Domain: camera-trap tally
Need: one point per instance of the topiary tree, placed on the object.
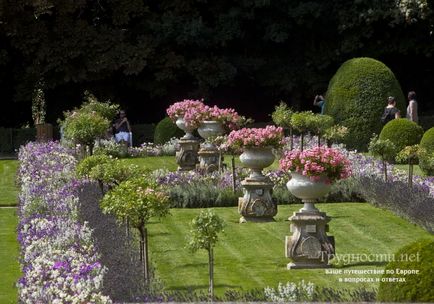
(86, 165)
(382, 148)
(165, 130)
(136, 201)
(320, 124)
(282, 117)
(335, 134)
(356, 98)
(105, 109)
(303, 122)
(402, 133)
(410, 155)
(425, 159)
(204, 235)
(84, 128)
(418, 287)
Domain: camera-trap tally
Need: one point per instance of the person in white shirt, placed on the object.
(412, 107)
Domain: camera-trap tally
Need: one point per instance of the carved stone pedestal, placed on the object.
(208, 158)
(257, 205)
(309, 246)
(187, 156)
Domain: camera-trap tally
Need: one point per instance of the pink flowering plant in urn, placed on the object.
(312, 173)
(229, 118)
(187, 115)
(318, 164)
(257, 145)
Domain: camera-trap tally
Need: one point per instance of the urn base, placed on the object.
(187, 156)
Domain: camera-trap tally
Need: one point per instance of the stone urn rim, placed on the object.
(180, 123)
(209, 128)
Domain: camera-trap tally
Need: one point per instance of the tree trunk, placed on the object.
(211, 273)
(319, 141)
(301, 141)
(144, 253)
(220, 161)
(291, 139)
(101, 187)
(233, 174)
(385, 169)
(91, 150)
(410, 174)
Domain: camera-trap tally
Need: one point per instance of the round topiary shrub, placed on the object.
(418, 287)
(402, 132)
(165, 130)
(427, 144)
(357, 95)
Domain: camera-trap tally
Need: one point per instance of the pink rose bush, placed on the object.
(317, 163)
(191, 110)
(270, 136)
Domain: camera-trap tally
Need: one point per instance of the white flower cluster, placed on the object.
(59, 261)
(291, 292)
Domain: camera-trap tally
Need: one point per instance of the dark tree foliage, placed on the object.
(149, 53)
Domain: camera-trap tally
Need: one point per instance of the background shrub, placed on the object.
(417, 287)
(357, 95)
(402, 132)
(165, 130)
(142, 133)
(427, 143)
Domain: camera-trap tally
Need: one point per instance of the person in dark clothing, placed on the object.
(122, 128)
(390, 112)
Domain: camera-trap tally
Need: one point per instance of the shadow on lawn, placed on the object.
(382, 263)
(193, 288)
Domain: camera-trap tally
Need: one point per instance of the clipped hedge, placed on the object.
(418, 287)
(356, 98)
(427, 143)
(11, 139)
(402, 132)
(165, 130)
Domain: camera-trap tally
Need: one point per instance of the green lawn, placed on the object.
(9, 267)
(252, 255)
(8, 189)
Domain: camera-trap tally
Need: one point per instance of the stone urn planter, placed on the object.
(307, 190)
(309, 246)
(209, 154)
(180, 123)
(257, 159)
(257, 204)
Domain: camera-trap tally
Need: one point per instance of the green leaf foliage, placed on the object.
(84, 128)
(426, 161)
(165, 130)
(86, 165)
(303, 121)
(115, 172)
(104, 109)
(204, 230)
(356, 97)
(402, 132)
(321, 123)
(381, 147)
(136, 200)
(417, 287)
(282, 115)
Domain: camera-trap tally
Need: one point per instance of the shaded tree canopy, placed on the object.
(146, 54)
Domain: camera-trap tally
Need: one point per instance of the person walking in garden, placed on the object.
(412, 107)
(319, 101)
(122, 129)
(390, 112)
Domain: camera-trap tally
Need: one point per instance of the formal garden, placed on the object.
(308, 207)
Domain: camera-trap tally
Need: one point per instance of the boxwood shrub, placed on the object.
(418, 287)
(427, 143)
(165, 130)
(356, 98)
(402, 132)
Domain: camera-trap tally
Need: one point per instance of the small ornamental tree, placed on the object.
(136, 201)
(105, 109)
(320, 124)
(86, 165)
(38, 103)
(410, 155)
(204, 235)
(282, 117)
(303, 122)
(382, 148)
(335, 134)
(85, 127)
